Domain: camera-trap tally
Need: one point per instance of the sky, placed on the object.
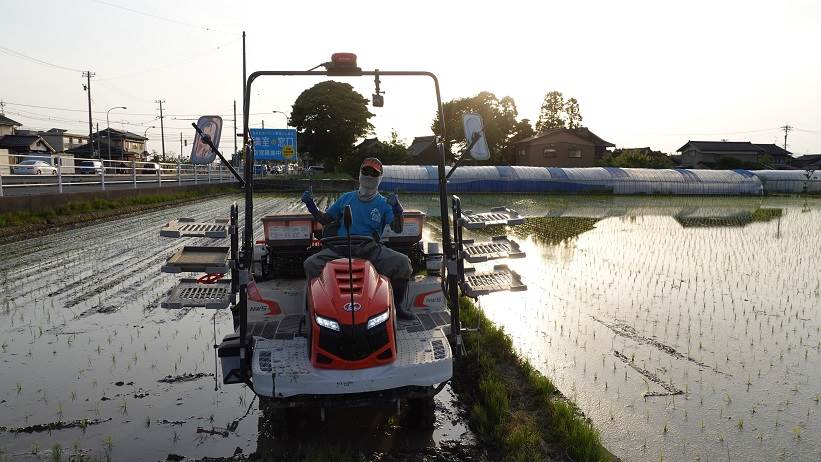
(645, 73)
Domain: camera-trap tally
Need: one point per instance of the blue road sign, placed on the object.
(274, 143)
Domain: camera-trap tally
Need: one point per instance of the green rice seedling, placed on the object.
(56, 453)
(796, 431)
(740, 424)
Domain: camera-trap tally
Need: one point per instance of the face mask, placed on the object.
(368, 186)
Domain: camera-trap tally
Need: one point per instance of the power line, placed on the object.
(24, 56)
(162, 18)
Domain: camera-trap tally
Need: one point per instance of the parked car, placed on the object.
(88, 167)
(279, 169)
(260, 169)
(34, 167)
(117, 167)
(150, 168)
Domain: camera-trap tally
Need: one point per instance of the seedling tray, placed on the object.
(195, 259)
(498, 247)
(189, 227)
(191, 294)
(500, 279)
(496, 216)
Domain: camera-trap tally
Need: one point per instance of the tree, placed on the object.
(571, 111)
(551, 114)
(329, 118)
(498, 116)
(636, 158)
(394, 152)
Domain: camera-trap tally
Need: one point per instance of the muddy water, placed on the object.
(85, 343)
(686, 328)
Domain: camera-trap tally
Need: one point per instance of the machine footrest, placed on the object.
(496, 216)
(191, 294)
(498, 247)
(188, 227)
(198, 260)
(500, 279)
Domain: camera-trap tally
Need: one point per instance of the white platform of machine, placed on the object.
(496, 216)
(189, 227)
(281, 367)
(498, 247)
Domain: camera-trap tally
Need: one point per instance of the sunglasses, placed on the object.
(370, 171)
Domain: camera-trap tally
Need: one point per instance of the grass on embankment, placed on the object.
(516, 410)
(24, 224)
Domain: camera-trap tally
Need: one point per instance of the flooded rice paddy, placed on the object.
(92, 366)
(685, 328)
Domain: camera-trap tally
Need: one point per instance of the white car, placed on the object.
(34, 167)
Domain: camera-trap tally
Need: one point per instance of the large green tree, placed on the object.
(498, 116)
(329, 118)
(551, 114)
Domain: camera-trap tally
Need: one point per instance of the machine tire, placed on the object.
(421, 413)
(54, 173)
(37, 172)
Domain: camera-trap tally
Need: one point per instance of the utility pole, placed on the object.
(162, 129)
(786, 129)
(235, 157)
(87, 87)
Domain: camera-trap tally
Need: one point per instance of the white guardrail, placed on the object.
(55, 173)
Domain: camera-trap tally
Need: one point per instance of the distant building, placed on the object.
(18, 148)
(124, 145)
(561, 147)
(733, 154)
(424, 151)
(807, 162)
(63, 140)
(7, 127)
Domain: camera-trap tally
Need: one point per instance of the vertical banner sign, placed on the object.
(201, 153)
(274, 143)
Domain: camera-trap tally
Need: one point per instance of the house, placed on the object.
(122, 145)
(733, 154)
(7, 127)
(561, 147)
(808, 162)
(423, 151)
(23, 147)
(62, 140)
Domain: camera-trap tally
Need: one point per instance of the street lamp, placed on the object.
(284, 114)
(145, 135)
(108, 128)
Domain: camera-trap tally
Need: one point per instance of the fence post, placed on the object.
(159, 174)
(195, 173)
(134, 172)
(179, 178)
(220, 168)
(209, 173)
(102, 174)
(60, 175)
(1, 182)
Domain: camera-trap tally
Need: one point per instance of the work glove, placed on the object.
(393, 201)
(309, 202)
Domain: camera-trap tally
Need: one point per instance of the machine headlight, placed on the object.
(327, 323)
(377, 320)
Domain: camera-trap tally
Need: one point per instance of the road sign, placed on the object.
(274, 143)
